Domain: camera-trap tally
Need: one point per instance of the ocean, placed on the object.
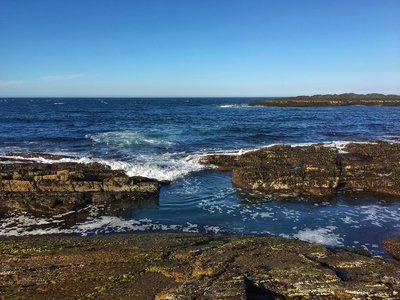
(164, 138)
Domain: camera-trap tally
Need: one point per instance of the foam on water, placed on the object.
(234, 105)
(324, 236)
(168, 166)
(170, 169)
(23, 223)
(164, 166)
(127, 138)
(163, 139)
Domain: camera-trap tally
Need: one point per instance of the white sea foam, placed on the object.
(324, 236)
(126, 138)
(378, 215)
(165, 166)
(234, 105)
(338, 145)
(168, 170)
(19, 224)
(168, 166)
(348, 220)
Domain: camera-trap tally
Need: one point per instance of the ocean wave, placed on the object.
(169, 165)
(127, 138)
(234, 105)
(170, 169)
(338, 145)
(161, 167)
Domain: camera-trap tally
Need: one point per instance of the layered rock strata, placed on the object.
(61, 187)
(316, 169)
(191, 266)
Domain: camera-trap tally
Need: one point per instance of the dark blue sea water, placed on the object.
(164, 138)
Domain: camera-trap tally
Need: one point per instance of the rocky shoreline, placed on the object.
(316, 170)
(190, 266)
(333, 100)
(196, 266)
(66, 186)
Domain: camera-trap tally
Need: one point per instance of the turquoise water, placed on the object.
(164, 138)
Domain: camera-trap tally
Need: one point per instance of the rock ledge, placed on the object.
(316, 169)
(61, 187)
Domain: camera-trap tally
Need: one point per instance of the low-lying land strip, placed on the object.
(333, 100)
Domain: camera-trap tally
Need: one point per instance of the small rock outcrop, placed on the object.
(61, 187)
(392, 246)
(348, 99)
(316, 169)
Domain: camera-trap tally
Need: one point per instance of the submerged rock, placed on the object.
(61, 187)
(316, 169)
(190, 266)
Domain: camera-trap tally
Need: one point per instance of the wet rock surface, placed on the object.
(316, 169)
(333, 100)
(65, 186)
(190, 266)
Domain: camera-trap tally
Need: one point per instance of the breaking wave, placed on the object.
(160, 167)
(234, 105)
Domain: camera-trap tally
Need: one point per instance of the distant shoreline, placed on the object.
(333, 100)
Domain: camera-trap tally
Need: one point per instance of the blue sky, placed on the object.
(198, 48)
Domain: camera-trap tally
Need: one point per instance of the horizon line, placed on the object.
(280, 96)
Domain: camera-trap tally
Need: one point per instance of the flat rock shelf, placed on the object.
(190, 266)
(316, 170)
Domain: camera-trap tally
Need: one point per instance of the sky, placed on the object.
(189, 48)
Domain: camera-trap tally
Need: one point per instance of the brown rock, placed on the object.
(392, 246)
(316, 169)
(60, 187)
(190, 266)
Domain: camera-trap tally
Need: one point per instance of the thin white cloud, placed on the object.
(62, 77)
(10, 82)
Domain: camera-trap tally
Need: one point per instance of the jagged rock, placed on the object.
(61, 187)
(190, 266)
(316, 169)
(392, 246)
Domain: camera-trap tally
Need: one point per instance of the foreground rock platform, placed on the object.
(190, 266)
(316, 169)
(349, 99)
(65, 186)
